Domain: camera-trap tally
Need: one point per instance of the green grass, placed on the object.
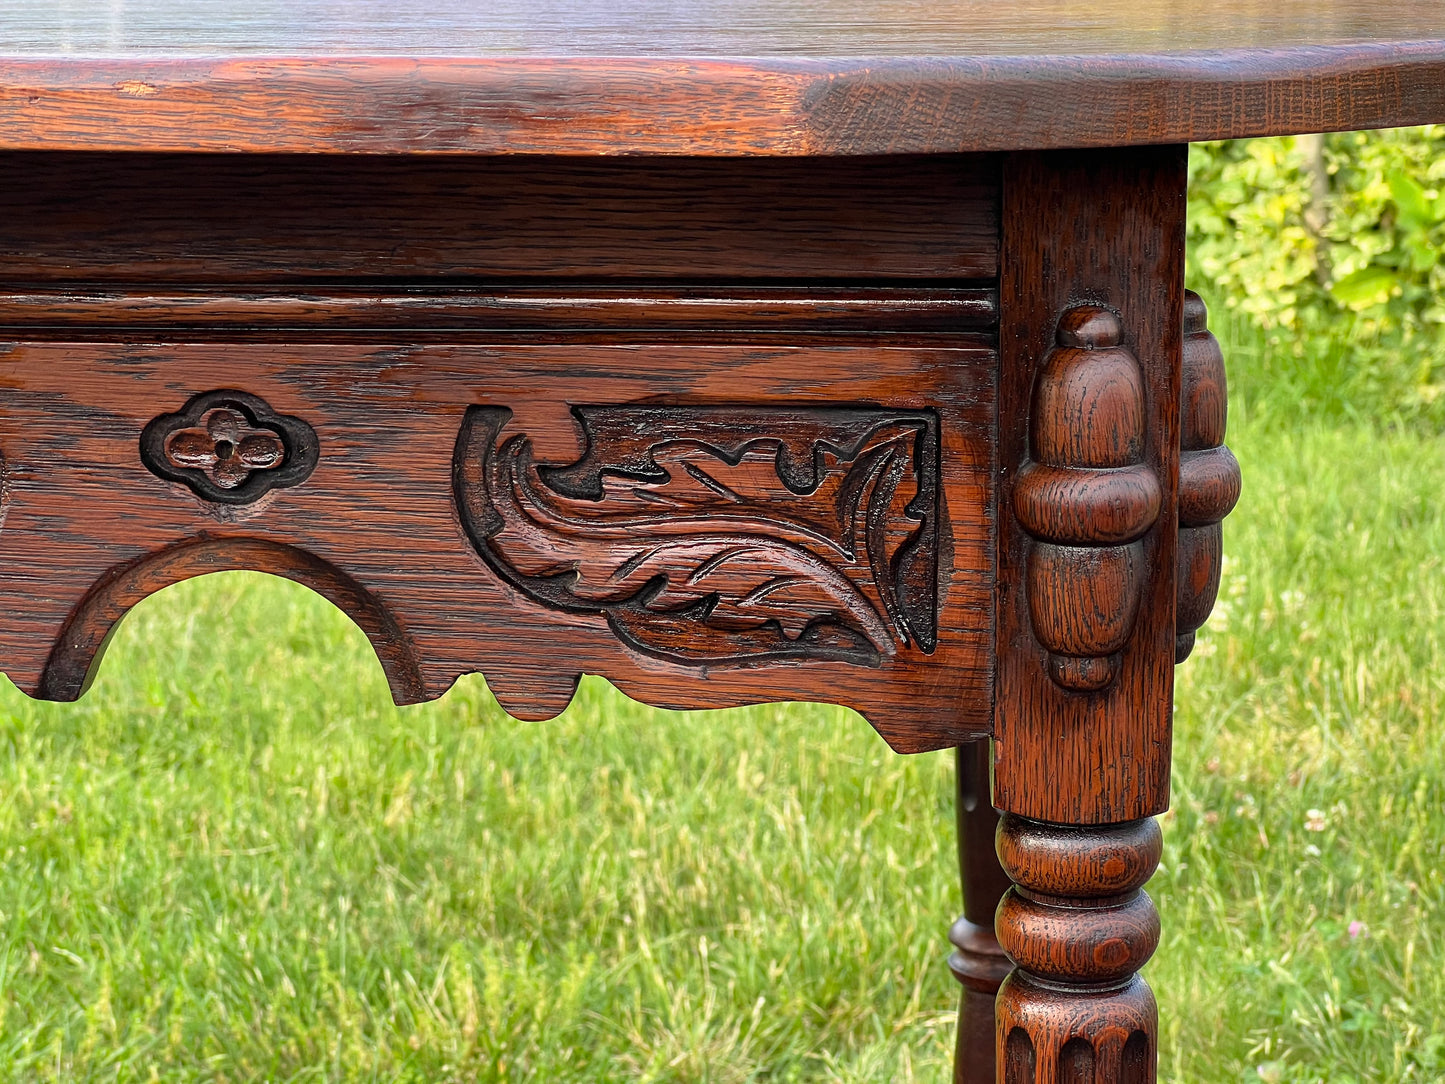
(236, 861)
(1309, 775)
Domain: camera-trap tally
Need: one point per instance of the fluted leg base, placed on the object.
(1079, 926)
(1049, 1035)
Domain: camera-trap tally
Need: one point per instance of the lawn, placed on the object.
(235, 860)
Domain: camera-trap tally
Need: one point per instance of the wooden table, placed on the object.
(736, 351)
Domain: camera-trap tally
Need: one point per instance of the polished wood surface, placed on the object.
(1091, 337)
(1091, 328)
(730, 423)
(1079, 926)
(755, 528)
(726, 78)
(735, 28)
(1209, 476)
(265, 218)
(922, 314)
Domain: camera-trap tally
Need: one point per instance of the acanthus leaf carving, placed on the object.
(719, 536)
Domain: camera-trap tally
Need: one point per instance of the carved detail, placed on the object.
(1087, 498)
(712, 536)
(230, 447)
(1078, 926)
(1209, 476)
(77, 651)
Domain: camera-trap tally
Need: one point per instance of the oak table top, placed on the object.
(727, 77)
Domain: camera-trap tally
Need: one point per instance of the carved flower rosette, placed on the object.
(230, 448)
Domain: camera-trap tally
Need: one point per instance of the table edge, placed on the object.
(710, 106)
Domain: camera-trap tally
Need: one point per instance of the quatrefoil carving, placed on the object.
(230, 447)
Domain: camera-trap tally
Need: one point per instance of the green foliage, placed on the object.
(236, 861)
(1333, 247)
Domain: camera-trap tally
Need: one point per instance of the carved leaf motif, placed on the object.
(792, 535)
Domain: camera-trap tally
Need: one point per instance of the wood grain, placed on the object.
(1078, 926)
(1086, 497)
(812, 311)
(190, 219)
(719, 536)
(950, 99)
(1093, 242)
(1209, 476)
(89, 529)
(229, 447)
(1102, 229)
(551, 28)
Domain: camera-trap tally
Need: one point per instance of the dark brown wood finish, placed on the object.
(829, 77)
(705, 525)
(1086, 498)
(224, 219)
(1079, 928)
(738, 351)
(1209, 479)
(1093, 244)
(1090, 338)
(779, 310)
(786, 106)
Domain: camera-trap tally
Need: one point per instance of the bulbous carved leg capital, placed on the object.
(1087, 498)
(1078, 926)
(1209, 479)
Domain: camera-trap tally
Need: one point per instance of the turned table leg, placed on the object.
(1079, 927)
(1091, 346)
(977, 961)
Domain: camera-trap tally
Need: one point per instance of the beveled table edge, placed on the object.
(709, 106)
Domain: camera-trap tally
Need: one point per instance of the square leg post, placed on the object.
(1091, 326)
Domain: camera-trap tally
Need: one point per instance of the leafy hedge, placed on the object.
(1328, 252)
